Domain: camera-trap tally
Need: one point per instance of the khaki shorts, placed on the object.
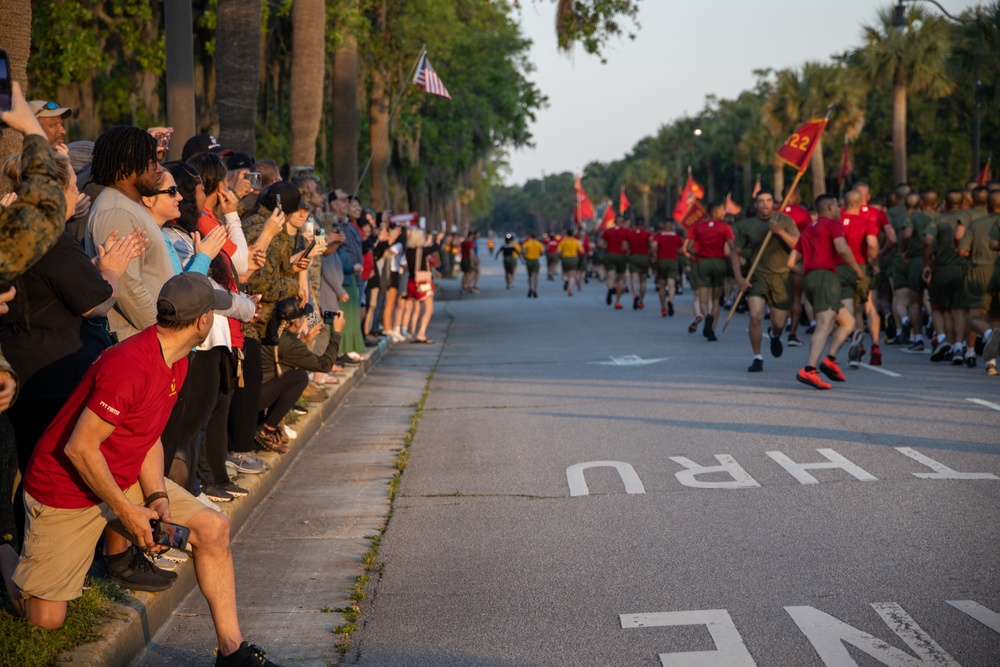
(822, 288)
(850, 288)
(59, 543)
(774, 288)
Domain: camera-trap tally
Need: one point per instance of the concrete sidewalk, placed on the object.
(299, 536)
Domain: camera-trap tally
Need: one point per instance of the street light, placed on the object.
(899, 18)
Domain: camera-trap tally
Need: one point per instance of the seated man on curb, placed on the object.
(102, 457)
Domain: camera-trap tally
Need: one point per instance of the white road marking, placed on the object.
(833, 460)
(578, 483)
(741, 479)
(941, 471)
(985, 404)
(880, 370)
(987, 617)
(629, 360)
(730, 651)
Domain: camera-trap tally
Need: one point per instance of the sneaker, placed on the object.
(208, 502)
(300, 409)
(776, 347)
(231, 470)
(756, 367)
(235, 490)
(876, 358)
(663, 312)
(618, 306)
(642, 304)
(565, 285)
(793, 341)
(941, 353)
(611, 294)
(811, 329)
(957, 358)
(569, 292)
(916, 346)
(670, 308)
(831, 369)
(314, 394)
(890, 328)
(856, 349)
(217, 494)
(529, 294)
(992, 345)
(970, 360)
(243, 463)
(812, 379)
(535, 294)
(709, 326)
(175, 555)
(269, 440)
(711, 337)
(907, 328)
(991, 368)
(164, 564)
(635, 303)
(694, 323)
(289, 433)
(247, 655)
(132, 569)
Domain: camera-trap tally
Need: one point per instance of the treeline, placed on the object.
(937, 62)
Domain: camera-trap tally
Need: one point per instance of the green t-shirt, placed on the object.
(942, 230)
(750, 233)
(977, 240)
(918, 220)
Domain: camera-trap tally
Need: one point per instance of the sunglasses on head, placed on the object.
(170, 192)
(48, 106)
(303, 206)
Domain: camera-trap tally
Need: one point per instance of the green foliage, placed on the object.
(593, 23)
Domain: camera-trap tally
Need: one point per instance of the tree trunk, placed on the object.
(817, 169)
(899, 132)
(747, 184)
(381, 147)
(237, 72)
(15, 26)
(645, 203)
(779, 179)
(344, 146)
(308, 56)
(179, 33)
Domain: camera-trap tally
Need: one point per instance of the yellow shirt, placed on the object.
(532, 249)
(569, 247)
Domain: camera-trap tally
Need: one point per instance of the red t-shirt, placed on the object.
(614, 239)
(816, 245)
(800, 215)
(551, 245)
(857, 229)
(667, 244)
(876, 216)
(129, 386)
(710, 238)
(638, 243)
(586, 244)
(468, 248)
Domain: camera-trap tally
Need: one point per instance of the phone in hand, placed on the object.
(164, 142)
(169, 534)
(309, 248)
(255, 179)
(277, 199)
(330, 315)
(6, 88)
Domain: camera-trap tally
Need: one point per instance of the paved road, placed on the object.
(701, 536)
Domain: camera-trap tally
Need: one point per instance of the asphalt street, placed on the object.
(599, 487)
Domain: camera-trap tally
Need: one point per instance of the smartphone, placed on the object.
(165, 141)
(6, 90)
(254, 178)
(309, 248)
(330, 315)
(169, 534)
(277, 199)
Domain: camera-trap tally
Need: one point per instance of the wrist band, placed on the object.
(156, 495)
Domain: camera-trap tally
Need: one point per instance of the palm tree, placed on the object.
(15, 26)
(237, 72)
(344, 92)
(644, 176)
(976, 56)
(800, 95)
(308, 62)
(912, 60)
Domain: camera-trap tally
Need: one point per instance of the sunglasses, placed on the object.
(170, 192)
(48, 106)
(303, 206)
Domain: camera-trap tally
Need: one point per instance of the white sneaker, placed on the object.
(164, 563)
(991, 368)
(208, 502)
(355, 356)
(289, 432)
(175, 555)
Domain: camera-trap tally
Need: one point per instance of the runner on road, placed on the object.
(571, 251)
(510, 251)
(638, 260)
(710, 242)
(665, 244)
(532, 251)
(794, 210)
(614, 240)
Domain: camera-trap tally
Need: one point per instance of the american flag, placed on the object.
(428, 79)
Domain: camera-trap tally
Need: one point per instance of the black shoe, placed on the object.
(247, 655)
(635, 303)
(371, 342)
(536, 294)
(670, 309)
(132, 569)
(970, 362)
(565, 285)
(811, 329)
(890, 327)
(711, 337)
(708, 329)
(776, 346)
(611, 295)
(680, 288)
(756, 367)
(530, 294)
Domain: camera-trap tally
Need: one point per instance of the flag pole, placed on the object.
(388, 121)
(760, 253)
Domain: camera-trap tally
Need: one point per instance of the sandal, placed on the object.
(269, 440)
(422, 340)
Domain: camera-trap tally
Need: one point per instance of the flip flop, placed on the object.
(422, 340)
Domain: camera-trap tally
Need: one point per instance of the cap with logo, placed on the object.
(239, 161)
(187, 296)
(203, 143)
(45, 109)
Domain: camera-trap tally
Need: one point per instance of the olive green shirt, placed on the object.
(750, 234)
(942, 229)
(918, 220)
(976, 241)
(274, 281)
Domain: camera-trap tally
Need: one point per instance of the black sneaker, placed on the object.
(941, 353)
(247, 655)
(756, 367)
(235, 490)
(711, 337)
(670, 309)
(890, 328)
(132, 569)
(811, 329)
(217, 494)
(611, 295)
(709, 327)
(635, 303)
(970, 361)
(776, 347)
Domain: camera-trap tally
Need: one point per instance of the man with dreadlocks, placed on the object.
(125, 163)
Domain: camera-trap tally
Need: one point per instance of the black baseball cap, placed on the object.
(189, 295)
(239, 161)
(203, 143)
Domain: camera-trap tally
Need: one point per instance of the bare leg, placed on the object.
(845, 326)
(213, 566)
(48, 614)
(755, 304)
(426, 319)
(824, 327)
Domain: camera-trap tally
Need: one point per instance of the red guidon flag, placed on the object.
(986, 175)
(689, 197)
(428, 79)
(799, 147)
(584, 210)
(845, 166)
(732, 208)
(609, 217)
(623, 202)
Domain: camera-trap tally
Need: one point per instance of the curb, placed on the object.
(132, 625)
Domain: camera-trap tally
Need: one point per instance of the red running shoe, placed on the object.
(832, 370)
(642, 305)
(618, 305)
(876, 359)
(663, 312)
(812, 379)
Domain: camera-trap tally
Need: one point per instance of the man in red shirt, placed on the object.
(798, 213)
(551, 242)
(102, 458)
(468, 262)
(880, 288)
(861, 235)
(709, 243)
(819, 245)
(666, 244)
(638, 260)
(614, 240)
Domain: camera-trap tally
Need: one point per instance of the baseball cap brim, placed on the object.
(59, 112)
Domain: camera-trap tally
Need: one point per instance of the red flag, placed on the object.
(845, 166)
(623, 202)
(756, 188)
(986, 175)
(731, 207)
(799, 147)
(695, 214)
(609, 217)
(584, 210)
(691, 194)
(428, 79)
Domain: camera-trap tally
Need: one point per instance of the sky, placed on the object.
(683, 51)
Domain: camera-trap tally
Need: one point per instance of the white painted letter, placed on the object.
(578, 484)
(798, 470)
(730, 651)
(987, 617)
(741, 478)
(941, 471)
(828, 636)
